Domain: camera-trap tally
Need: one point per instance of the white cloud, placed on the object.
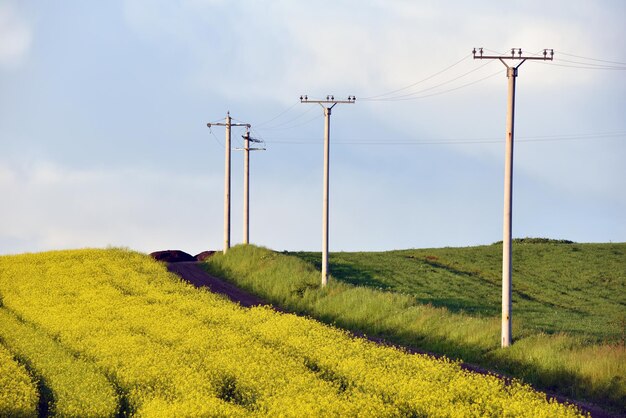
(53, 207)
(357, 49)
(15, 36)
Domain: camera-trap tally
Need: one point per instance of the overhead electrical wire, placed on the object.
(449, 90)
(289, 123)
(392, 96)
(278, 115)
(581, 65)
(213, 134)
(464, 141)
(590, 59)
(417, 82)
(418, 94)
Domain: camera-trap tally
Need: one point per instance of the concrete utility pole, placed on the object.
(327, 105)
(228, 124)
(246, 182)
(507, 268)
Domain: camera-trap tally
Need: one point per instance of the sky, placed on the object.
(104, 108)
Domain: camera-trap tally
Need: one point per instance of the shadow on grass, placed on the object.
(345, 272)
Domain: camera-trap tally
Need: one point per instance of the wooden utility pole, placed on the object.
(327, 105)
(228, 124)
(246, 182)
(507, 229)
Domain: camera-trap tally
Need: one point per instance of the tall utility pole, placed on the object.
(246, 181)
(327, 105)
(228, 124)
(507, 268)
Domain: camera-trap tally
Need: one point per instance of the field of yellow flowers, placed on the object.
(104, 333)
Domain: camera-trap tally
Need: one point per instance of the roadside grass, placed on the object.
(440, 300)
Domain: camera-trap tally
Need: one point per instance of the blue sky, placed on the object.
(104, 105)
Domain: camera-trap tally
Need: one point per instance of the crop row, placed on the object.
(169, 349)
(18, 393)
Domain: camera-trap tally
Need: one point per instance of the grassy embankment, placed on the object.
(107, 333)
(568, 305)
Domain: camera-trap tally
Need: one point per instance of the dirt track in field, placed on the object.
(194, 274)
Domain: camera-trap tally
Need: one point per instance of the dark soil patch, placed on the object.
(204, 255)
(172, 256)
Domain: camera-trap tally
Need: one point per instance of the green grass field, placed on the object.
(568, 305)
(579, 289)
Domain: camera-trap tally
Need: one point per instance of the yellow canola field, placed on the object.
(172, 350)
(79, 389)
(18, 394)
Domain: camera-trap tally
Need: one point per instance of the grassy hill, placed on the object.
(568, 305)
(579, 289)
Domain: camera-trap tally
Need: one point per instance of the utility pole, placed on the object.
(228, 124)
(246, 181)
(327, 105)
(507, 254)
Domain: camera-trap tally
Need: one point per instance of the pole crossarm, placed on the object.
(329, 100)
(548, 55)
(247, 125)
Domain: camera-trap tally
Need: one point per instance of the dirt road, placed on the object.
(194, 274)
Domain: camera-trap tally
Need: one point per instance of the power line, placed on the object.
(418, 82)
(448, 90)
(413, 95)
(278, 115)
(306, 122)
(593, 65)
(215, 137)
(282, 124)
(591, 59)
(583, 66)
(459, 141)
